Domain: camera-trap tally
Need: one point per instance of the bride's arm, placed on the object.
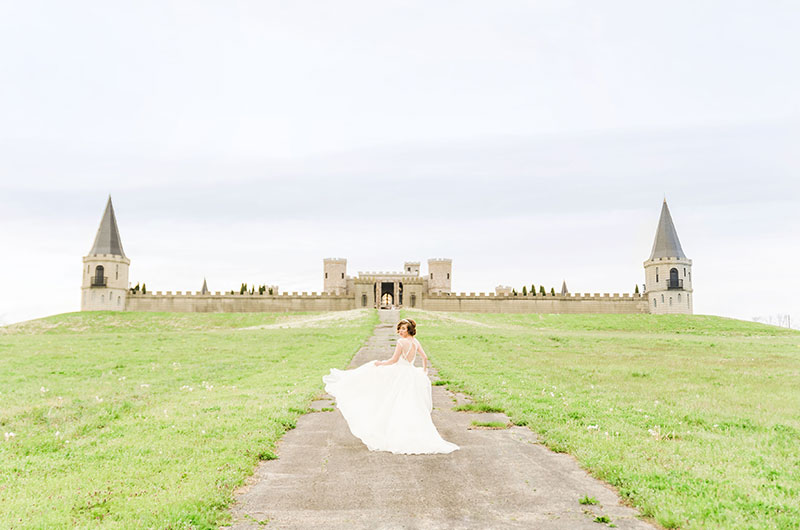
(394, 358)
(424, 357)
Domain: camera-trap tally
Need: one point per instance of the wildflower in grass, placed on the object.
(121, 378)
(9, 435)
(43, 390)
(144, 385)
(590, 427)
(58, 433)
(99, 399)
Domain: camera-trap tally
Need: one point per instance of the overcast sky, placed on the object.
(531, 142)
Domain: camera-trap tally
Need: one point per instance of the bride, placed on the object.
(387, 404)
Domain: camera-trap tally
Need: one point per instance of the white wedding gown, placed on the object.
(388, 407)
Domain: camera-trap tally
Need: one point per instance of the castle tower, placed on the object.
(439, 275)
(411, 267)
(668, 272)
(105, 268)
(335, 281)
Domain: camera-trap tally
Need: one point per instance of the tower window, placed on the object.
(119, 300)
(679, 297)
(431, 276)
(684, 272)
(413, 300)
(408, 269)
(116, 273)
(343, 276)
(662, 298)
(670, 300)
(364, 300)
(448, 275)
(326, 275)
(655, 302)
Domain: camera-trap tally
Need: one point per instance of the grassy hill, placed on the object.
(695, 419)
(150, 420)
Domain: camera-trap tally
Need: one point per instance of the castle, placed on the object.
(667, 288)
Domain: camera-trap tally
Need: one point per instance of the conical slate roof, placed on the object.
(204, 290)
(564, 288)
(666, 243)
(107, 240)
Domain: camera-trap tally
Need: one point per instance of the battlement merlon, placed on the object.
(682, 261)
(107, 257)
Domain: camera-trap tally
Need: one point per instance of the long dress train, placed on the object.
(388, 407)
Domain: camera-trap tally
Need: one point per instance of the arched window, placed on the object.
(119, 300)
(326, 275)
(670, 300)
(656, 274)
(99, 276)
(655, 302)
(662, 298)
(343, 276)
(364, 300)
(413, 300)
(679, 298)
(102, 298)
(116, 273)
(674, 282)
(448, 275)
(431, 276)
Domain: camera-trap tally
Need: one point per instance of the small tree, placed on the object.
(270, 290)
(533, 289)
(637, 289)
(514, 292)
(144, 288)
(524, 291)
(243, 288)
(541, 290)
(553, 291)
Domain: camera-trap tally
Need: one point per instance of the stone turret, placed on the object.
(411, 267)
(335, 280)
(105, 268)
(439, 275)
(668, 272)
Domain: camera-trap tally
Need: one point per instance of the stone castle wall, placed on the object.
(233, 303)
(466, 302)
(507, 303)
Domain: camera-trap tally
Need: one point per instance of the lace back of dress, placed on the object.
(405, 353)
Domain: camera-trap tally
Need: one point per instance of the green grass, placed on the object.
(150, 420)
(694, 419)
(490, 424)
(477, 407)
(588, 500)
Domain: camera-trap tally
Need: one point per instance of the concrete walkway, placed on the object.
(326, 478)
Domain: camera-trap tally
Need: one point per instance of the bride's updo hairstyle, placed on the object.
(411, 326)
